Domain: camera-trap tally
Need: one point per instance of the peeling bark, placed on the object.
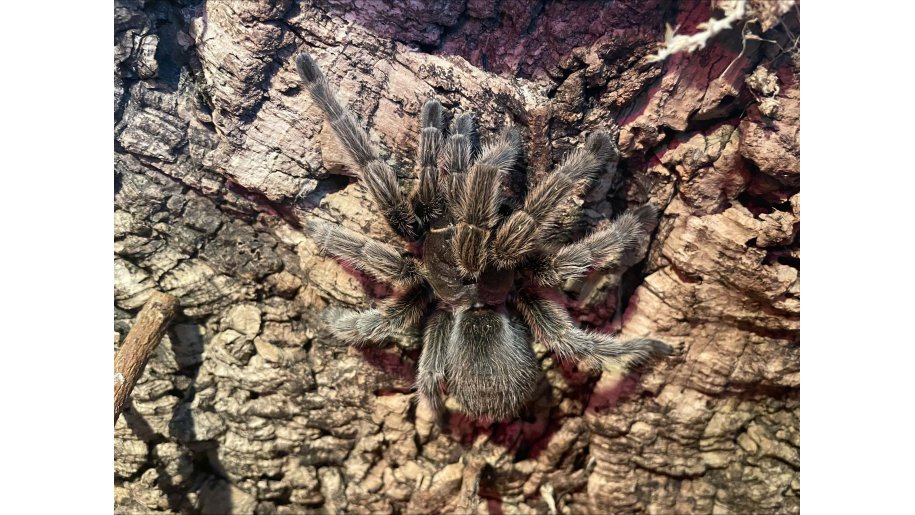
(245, 406)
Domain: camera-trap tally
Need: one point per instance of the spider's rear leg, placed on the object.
(553, 326)
(524, 229)
(621, 244)
(381, 260)
(434, 358)
(376, 175)
(374, 326)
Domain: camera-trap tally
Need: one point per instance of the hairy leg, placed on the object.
(380, 260)
(373, 326)
(476, 210)
(457, 154)
(502, 151)
(377, 176)
(524, 229)
(553, 326)
(434, 359)
(428, 199)
(619, 244)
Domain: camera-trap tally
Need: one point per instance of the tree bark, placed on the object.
(220, 157)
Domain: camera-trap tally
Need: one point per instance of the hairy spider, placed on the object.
(484, 276)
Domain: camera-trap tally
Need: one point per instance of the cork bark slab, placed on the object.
(220, 157)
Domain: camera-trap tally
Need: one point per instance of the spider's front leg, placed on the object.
(476, 207)
(553, 326)
(456, 156)
(525, 229)
(428, 199)
(377, 176)
(373, 326)
(621, 244)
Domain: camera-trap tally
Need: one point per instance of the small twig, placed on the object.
(469, 496)
(547, 493)
(139, 345)
(675, 43)
(743, 47)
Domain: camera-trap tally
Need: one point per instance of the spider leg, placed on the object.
(622, 244)
(374, 325)
(433, 360)
(492, 371)
(457, 154)
(524, 229)
(476, 213)
(502, 151)
(553, 326)
(476, 210)
(377, 176)
(569, 216)
(380, 260)
(428, 199)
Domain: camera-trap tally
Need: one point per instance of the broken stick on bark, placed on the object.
(139, 345)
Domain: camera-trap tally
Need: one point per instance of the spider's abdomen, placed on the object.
(492, 371)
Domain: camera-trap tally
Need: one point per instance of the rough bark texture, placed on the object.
(220, 157)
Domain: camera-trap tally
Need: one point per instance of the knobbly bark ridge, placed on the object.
(220, 157)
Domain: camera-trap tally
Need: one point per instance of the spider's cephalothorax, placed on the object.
(482, 279)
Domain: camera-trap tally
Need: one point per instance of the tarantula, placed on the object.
(483, 273)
